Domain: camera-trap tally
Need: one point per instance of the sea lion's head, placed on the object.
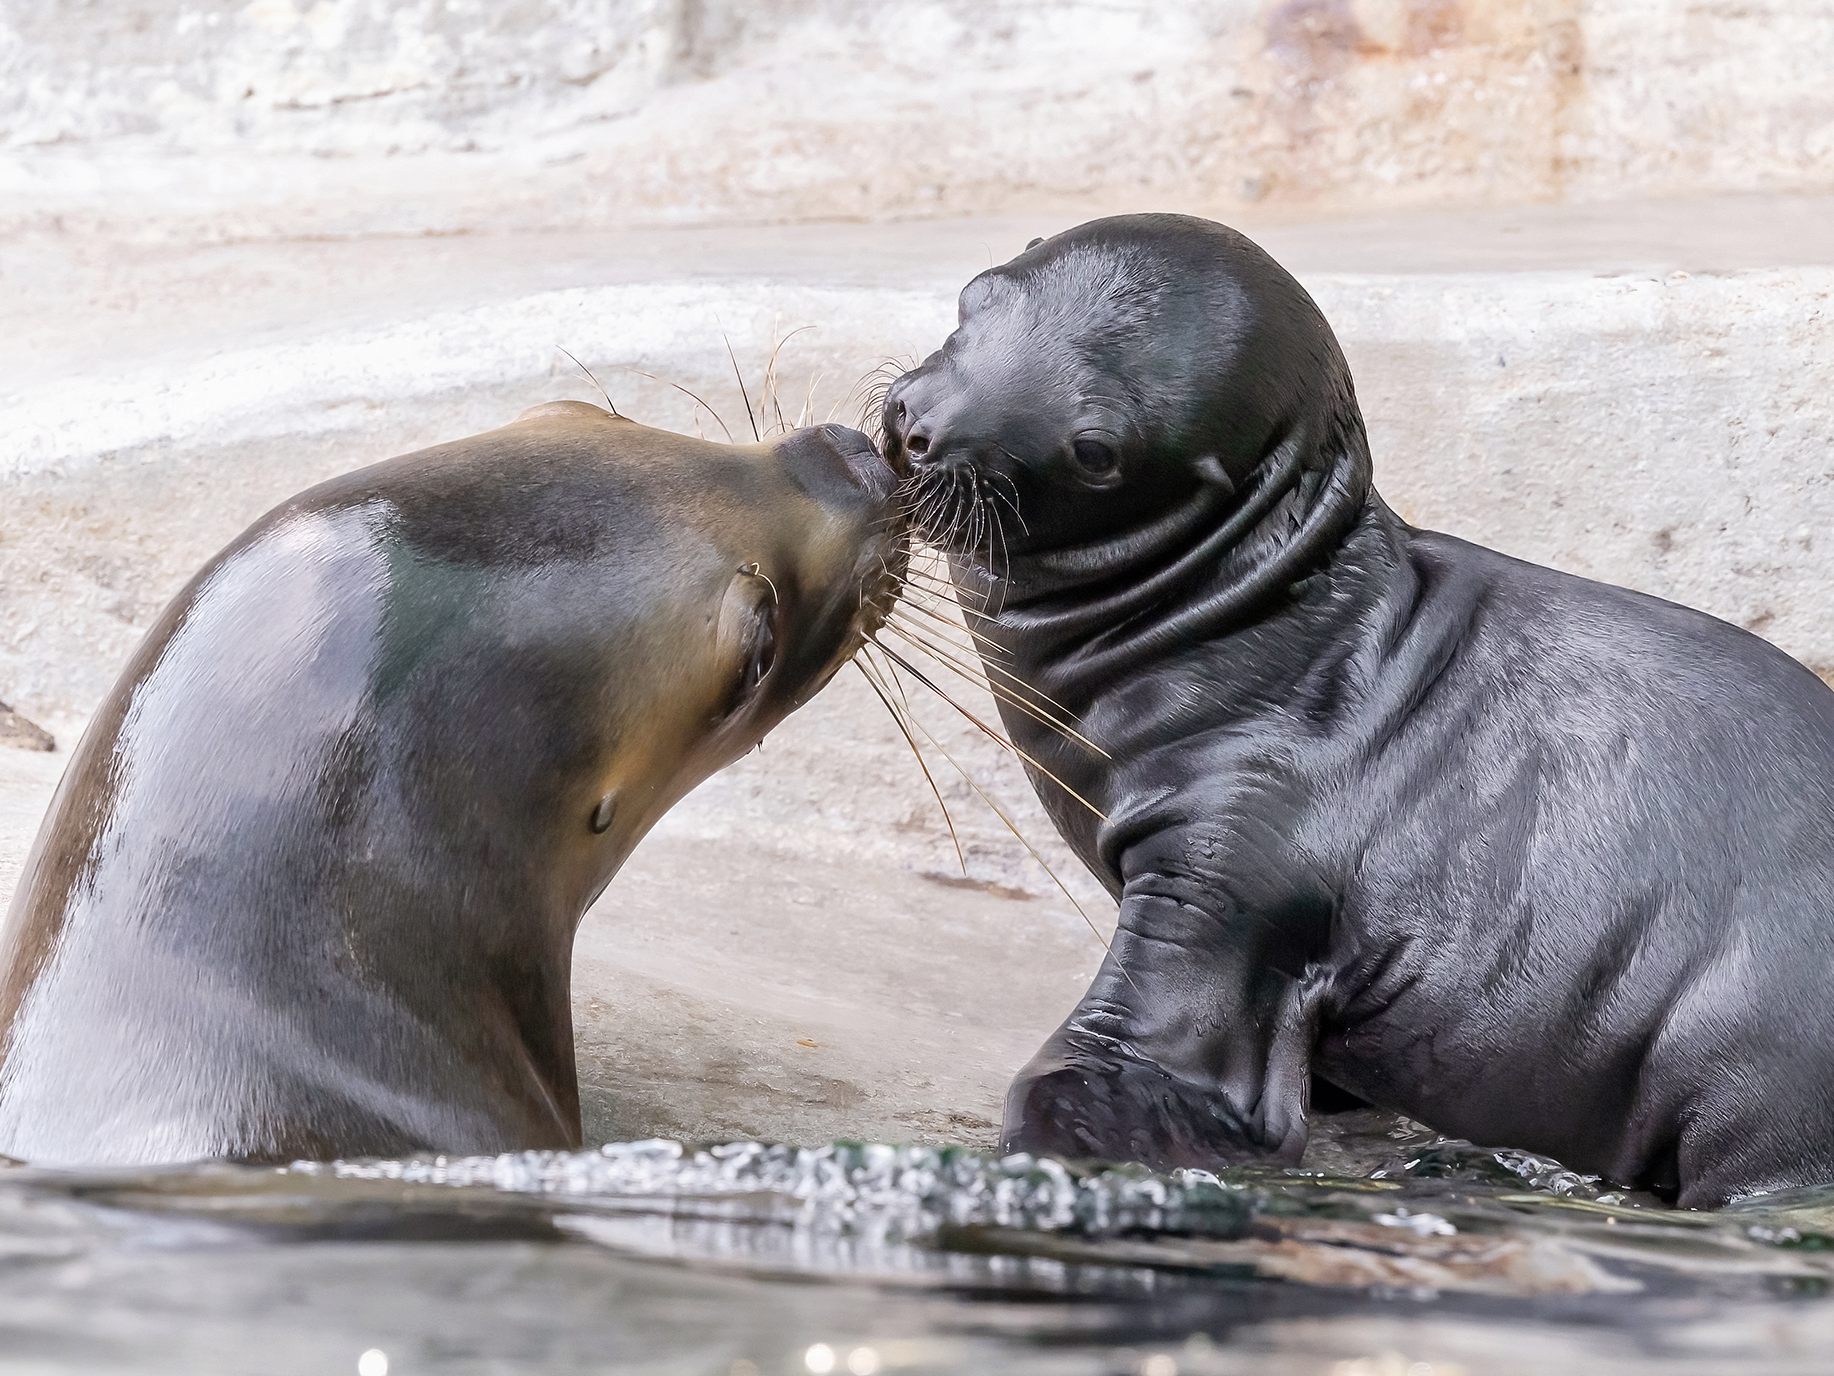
(674, 597)
(1106, 377)
(365, 773)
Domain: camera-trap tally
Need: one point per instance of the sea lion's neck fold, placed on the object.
(1197, 574)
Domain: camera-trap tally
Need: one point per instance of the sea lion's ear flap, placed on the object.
(1211, 470)
(1034, 243)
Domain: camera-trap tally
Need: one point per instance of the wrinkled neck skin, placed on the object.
(1205, 569)
(1140, 634)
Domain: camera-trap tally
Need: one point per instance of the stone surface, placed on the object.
(20, 734)
(1635, 395)
(280, 117)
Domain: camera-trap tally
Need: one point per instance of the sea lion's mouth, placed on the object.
(880, 572)
(951, 503)
(882, 568)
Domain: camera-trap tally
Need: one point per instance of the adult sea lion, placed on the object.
(1534, 860)
(310, 883)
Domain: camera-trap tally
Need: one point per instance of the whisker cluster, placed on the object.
(931, 647)
(765, 416)
(959, 517)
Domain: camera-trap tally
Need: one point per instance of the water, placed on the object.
(1425, 1257)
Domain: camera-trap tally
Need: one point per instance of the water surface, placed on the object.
(1424, 1257)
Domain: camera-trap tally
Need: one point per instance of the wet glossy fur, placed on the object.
(1537, 861)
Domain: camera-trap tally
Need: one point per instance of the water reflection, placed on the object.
(1409, 1256)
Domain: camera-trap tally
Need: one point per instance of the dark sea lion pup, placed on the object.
(1536, 861)
(310, 883)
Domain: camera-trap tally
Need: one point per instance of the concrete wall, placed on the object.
(266, 117)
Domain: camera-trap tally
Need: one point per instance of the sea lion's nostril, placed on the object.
(917, 442)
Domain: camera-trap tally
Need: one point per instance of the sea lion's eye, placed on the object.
(760, 655)
(1095, 457)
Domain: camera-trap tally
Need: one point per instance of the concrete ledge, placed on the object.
(1652, 418)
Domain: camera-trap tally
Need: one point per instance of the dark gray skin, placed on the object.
(310, 883)
(1391, 817)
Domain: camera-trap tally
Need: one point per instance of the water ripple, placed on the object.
(900, 1191)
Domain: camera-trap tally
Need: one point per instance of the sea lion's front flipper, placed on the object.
(1191, 1048)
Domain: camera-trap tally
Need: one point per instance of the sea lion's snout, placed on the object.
(907, 436)
(868, 466)
(860, 462)
(838, 467)
(840, 574)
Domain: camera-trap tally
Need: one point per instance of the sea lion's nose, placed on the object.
(845, 438)
(930, 446)
(868, 467)
(836, 464)
(918, 436)
(921, 426)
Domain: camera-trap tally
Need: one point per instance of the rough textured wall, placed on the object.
(329, 77)
(565, 111)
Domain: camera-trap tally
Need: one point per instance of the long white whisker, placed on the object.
(994, 805)
(993, 735)
(911, 740)
(1010, 696)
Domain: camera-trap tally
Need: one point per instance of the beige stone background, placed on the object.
(1580, 254)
